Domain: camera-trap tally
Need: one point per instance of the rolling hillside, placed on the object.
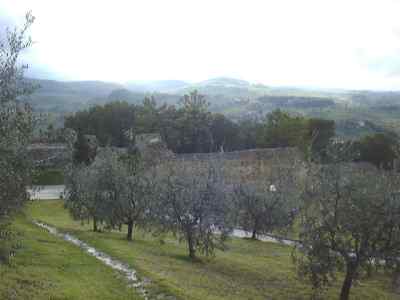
(356, 112)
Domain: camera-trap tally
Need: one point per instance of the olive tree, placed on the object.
(350, 222)
(115, 190)
(193, 204)
(269, 202)
(134, 205)
(82, 198)
(92, 192)
(16, 124)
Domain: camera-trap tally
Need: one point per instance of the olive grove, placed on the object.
(350, 222)
(114, 190)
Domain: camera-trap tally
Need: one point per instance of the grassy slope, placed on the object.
(249, 270)
(49, 268)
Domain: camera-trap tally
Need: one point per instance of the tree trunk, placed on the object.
(95, 229)
(254, 234)
(396, 279)
(348, 280)
(192, 250)
(130, 231)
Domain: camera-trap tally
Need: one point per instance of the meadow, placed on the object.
(248, 269)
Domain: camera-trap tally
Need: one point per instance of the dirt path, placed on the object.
(46, 192)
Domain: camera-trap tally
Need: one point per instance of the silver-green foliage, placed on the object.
(268, 203)
(16, 123)
(92, 189)
(193, 203)
(350, 222)
(114, 190)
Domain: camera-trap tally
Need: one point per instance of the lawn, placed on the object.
(47, 267)
(248, 270)
(48, 176)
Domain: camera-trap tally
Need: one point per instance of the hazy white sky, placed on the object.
(336, 43)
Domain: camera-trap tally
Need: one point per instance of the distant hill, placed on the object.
(355, 112)
(160, 86)
(61, 96)
(69, 96)
(134, 97)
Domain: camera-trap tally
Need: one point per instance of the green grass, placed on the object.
(48, 176)
(248, 270)
(47, 267)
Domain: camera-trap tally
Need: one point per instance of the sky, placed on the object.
(348, 44)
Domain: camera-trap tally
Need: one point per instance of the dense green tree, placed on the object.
(83, 152)
(148, 116)
(378, 149)
(280, 129)
(249, 130)
(109, 123)
(194, 123)
(319, 133)
(191, 127)
(225, 133)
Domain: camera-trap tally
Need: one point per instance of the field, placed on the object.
(247, 270)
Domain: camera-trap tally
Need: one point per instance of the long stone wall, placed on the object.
(248, 165)
(237, 165)
(49, 155)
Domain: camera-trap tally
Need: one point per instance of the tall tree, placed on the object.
(16, 124)
(319, 133)
(280, 129)
(147, 117)
(83, 152)
(378, 149)
(194, 123)
(224, 132)
(108, 122)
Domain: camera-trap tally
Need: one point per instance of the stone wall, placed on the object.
(49, 155)
(248, 165)
(237, 165)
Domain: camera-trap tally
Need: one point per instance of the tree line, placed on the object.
(192, 128)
